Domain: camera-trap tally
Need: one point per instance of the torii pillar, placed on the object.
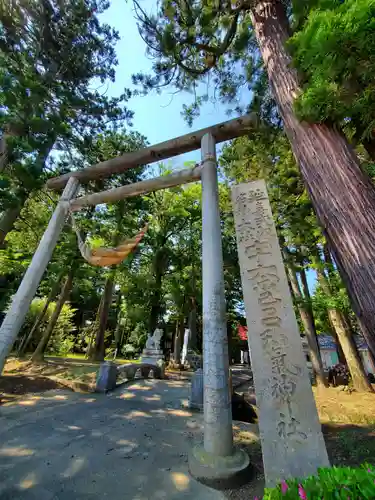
(217, 463)
(17, 311)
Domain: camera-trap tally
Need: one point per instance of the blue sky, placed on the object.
(158, 117)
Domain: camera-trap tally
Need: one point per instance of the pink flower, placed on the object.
(369, 470)
(284, 487)
(302, 492)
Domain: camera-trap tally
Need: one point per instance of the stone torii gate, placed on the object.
(217, 462)
(218, 457)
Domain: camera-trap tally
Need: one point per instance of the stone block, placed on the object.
(193, 360)
(196, 391)
(290, 431)
(153, 357)
(106, 379)
(145, 370)
(130, 372)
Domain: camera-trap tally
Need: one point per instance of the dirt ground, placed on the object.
(23, 377)
(348, 422)
(336, 405)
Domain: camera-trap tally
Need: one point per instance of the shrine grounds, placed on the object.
(56, 443)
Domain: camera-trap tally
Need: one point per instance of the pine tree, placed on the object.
(53, 58)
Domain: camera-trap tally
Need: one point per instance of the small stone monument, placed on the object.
(152, 354)
(196, 391)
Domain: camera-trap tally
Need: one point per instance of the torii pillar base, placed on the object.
(219, 472)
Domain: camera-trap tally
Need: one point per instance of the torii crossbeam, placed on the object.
(174, 147)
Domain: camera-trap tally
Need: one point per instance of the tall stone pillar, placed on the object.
(217, 463)
(290, 432)
(218, 434)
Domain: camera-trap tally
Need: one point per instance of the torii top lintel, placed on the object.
(179, 145)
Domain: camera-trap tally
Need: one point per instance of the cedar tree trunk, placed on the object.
(343, 196)
(8, 219)
(159, 267)
(193, 323)
(118, 330)
(98, 351)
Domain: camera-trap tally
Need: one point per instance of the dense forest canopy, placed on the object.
(54, 118)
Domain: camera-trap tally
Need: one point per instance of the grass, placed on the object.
(70, 355)
(348, 444)
(82, 357)
(348, 422)
(74, 371)
(125, 361)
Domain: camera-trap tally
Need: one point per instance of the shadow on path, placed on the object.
(131, 444)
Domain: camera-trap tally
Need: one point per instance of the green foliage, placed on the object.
(188, 41)
(129, 351)
(337, 300)
(157, 280)
(333, 48)
(267, 155)
(62, 340)
(63, 347)
(50, 55)
(101, 224)
(50, 61)
(136, 336)
(330, 484)
(335, 51)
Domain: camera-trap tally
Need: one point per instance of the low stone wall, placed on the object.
(110, 372)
